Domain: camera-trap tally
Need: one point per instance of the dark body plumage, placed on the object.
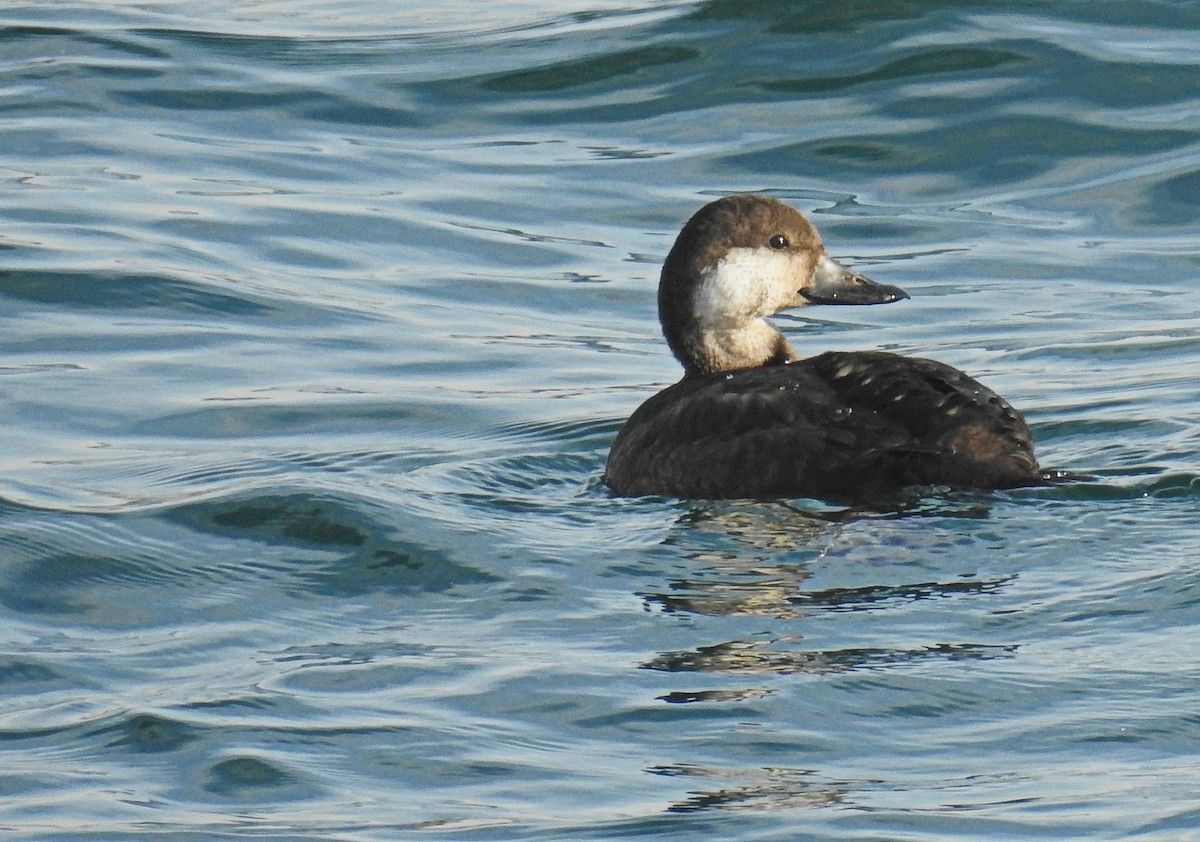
(750, 418)
(836, 426)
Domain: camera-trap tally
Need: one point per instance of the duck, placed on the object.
(751, 418)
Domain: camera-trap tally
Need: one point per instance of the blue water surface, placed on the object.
(317, 320)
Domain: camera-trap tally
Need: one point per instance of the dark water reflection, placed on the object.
(773, 657)
(766, 789)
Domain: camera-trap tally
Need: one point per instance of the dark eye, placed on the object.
(778, 242)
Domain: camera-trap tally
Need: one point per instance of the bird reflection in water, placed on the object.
(775, 788)
(757, 560)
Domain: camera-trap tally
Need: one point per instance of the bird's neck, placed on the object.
(714, 348)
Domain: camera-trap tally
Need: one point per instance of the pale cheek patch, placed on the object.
(744, 285)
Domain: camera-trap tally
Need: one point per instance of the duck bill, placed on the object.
(833, 283)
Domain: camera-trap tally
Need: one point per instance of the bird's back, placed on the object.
(838, 425)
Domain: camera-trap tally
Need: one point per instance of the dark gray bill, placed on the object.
(833, 283)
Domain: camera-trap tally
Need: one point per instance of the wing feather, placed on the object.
(836, 425)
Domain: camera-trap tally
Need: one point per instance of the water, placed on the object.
(317, 322)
